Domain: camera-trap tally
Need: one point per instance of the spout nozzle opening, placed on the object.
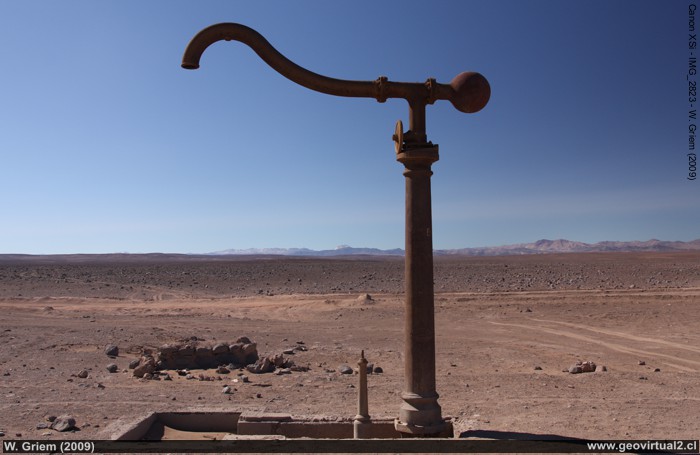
(190, 65)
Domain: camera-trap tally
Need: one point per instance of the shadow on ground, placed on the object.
(513, 435)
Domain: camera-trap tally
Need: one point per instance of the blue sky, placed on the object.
(107, 145)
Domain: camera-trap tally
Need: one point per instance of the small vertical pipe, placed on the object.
(362, 417)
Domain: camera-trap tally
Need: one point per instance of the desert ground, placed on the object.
(507, 329)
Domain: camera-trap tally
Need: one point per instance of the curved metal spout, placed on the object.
(420, 413)
(468, 92)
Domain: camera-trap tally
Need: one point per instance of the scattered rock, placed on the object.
(227, 390)
(42, 426)
(147, 366)
(345, 369)
(656, 370)
(112, 368)
(601, 368)
(370, 368)
(366, 298)
(582, 367)
(575, 369)
(112, 350)
(261, 366)
(63, 423)
(223, 370)
(643, 378)
(588, 367)
(378, 370)
(134, 363)
(538, 368)
(50, 418)
(641, 362)
(83, 374)
(288, 351)
(245, 378)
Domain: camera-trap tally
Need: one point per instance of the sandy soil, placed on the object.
(497, 319)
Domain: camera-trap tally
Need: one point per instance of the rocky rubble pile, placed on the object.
(195, 355)
(222, 356)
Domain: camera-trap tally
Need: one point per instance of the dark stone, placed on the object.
(587, 367)
(63, 423)
(186, 351)
(220, 349)
(112, 350)
(261, 366)
(250, 353)
(169, 349)
(112, 368)
(147, 367)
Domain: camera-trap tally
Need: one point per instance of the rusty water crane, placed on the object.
(420, 413)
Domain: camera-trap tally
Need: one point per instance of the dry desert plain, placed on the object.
(506, 328)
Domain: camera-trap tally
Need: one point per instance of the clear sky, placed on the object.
(107, 145)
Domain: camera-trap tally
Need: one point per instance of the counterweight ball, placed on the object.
(471, 92)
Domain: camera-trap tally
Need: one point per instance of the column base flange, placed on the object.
(442, 429)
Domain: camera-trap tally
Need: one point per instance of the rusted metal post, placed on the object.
(420, 413)
(362, 418)
(468, 92)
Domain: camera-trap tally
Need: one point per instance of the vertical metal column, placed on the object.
(420, 413)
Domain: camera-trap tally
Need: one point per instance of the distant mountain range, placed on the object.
(342, 250)
(543, 246)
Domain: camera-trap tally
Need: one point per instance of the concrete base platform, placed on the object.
(226, 425)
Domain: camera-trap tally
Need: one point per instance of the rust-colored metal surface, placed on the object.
(420, 413)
